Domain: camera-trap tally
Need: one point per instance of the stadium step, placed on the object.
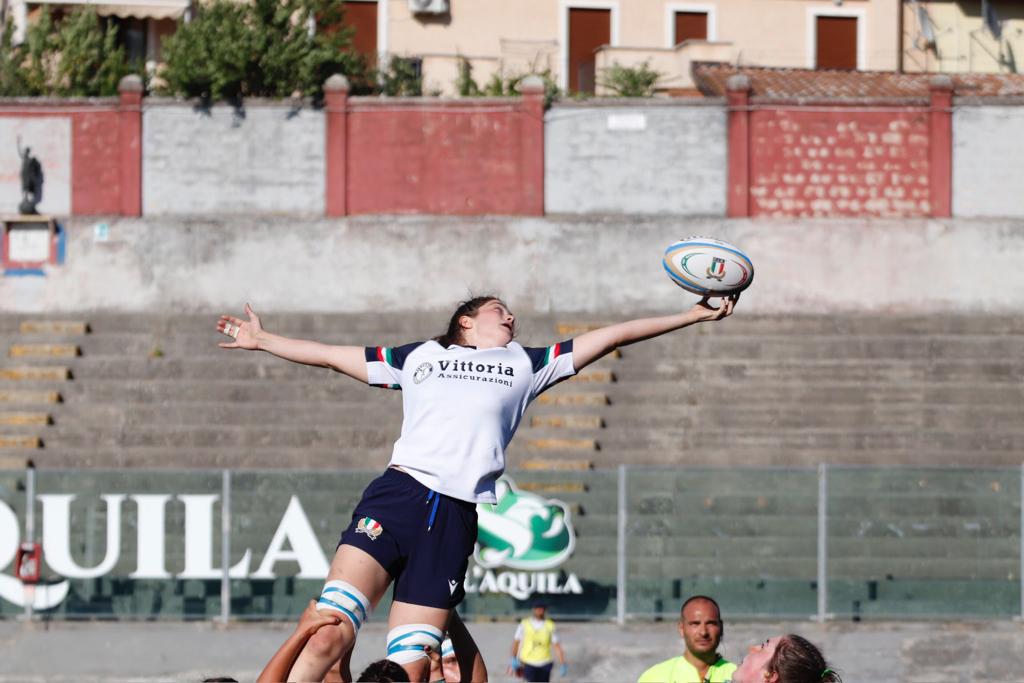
(25, 419)
(29, 398)
(567, 421)
(19, 441)
(35, 374)
(554, 488)
(562, 444)
(556, 465)
(54, 327)
(590, 398)
(44, 351)
(566, 330)
(593, 376)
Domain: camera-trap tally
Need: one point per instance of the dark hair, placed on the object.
(797, 660)
(695, 598)
(454, 333)
(383, 671)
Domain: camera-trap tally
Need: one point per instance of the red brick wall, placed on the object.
(96, 166)
(839, 162)
(466, 157)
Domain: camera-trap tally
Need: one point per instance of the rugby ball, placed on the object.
(708, 267)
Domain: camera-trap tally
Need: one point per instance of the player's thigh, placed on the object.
(359, 568)
(404, 614)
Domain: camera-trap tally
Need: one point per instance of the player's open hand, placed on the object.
(243, 332)
(706, 312)
(312, 621)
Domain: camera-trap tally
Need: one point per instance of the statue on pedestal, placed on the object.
(31, 181)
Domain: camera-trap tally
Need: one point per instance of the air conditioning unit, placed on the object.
(428, 6)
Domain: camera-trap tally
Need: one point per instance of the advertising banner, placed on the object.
(137, 544)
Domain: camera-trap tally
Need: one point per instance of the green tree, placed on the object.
(630, 81)
(89, 60)
(267, 48)
(38, 56)
(77, 56)
(402, 78)
(11, 77)
(208, 57)
(465, 85)
(502, 85)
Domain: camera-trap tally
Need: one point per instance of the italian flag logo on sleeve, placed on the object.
(370, 527)
(553, 353)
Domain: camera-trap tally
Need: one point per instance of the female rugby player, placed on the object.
(785, 659)
(464, 394)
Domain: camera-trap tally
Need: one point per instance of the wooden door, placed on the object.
(589, 29)
(836, 43)
(362, 18)
(690, 26)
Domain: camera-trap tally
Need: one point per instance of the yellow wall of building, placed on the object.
(521, 35)
(961, 41)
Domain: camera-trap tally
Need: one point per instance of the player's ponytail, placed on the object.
(797, 660)
(454, 333)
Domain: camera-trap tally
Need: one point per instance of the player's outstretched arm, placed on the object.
(249, 334)
(281, 663)
(590, 346)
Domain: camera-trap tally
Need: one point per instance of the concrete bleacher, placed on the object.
(153, 390)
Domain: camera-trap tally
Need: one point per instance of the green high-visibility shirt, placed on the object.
(678, 670)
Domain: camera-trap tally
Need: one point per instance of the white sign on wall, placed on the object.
(28, 243)
(49, 139)
(627, 122)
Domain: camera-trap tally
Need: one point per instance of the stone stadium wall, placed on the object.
(546, 265)
(265, 159)
(642, 157)
(988, 161)
(131, 156)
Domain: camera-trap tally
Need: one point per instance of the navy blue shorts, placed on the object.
(422, 538)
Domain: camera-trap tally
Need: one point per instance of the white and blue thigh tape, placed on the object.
(343, 597)
(406, 643)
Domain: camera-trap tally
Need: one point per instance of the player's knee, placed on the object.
(406, 643)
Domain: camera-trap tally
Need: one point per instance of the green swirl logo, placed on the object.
(523, 530)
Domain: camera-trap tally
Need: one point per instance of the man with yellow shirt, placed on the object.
(532, 647)
(700, 625)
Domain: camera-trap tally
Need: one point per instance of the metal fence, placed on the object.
(834, 542)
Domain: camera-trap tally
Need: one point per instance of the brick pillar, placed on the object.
(738, 97)
(532, 145)
(940, 147)
(336, 187)
(130, 137)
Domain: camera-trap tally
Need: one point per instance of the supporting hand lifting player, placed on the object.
(464, 394)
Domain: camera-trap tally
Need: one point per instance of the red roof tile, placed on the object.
(810, 84)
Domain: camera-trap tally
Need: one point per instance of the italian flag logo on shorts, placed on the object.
(370, 527)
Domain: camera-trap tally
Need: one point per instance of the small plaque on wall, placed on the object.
(29, 243)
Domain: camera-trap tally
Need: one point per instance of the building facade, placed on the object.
(575, 39)
(963, 36)
(142, 24)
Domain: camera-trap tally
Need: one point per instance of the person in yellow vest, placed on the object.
(533, 647)
(700, 625)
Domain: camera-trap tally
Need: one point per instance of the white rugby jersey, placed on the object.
(461, 407)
